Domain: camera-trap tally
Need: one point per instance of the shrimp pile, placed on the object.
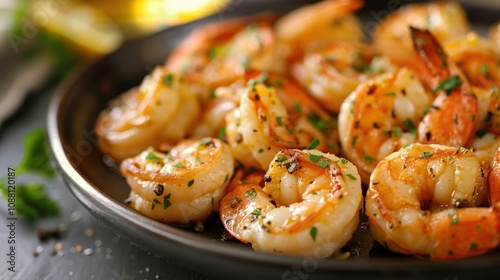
(278, 123)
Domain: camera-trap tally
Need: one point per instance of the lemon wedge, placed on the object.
(138, 17)
(86, 29)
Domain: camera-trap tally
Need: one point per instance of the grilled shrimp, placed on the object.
(477, 57)
(147, 115)
(392, 38)
(274, 114)
(380, 117)
(486, 141)
(183, 186)
(219, 54)
(326, 21)
(309, 205)
(425, 200)
(453, 116)
(211, 123)
(331, 72)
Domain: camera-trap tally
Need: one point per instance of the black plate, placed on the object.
(102, 190)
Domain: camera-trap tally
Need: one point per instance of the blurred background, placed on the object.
(43, 41)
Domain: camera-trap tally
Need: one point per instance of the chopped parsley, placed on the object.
(313, 233)
(397, 132)
(168, 80)
(251, 193)
(257, 212)
(151, 156)
(314, 144)
(190, 183)
(166, 202)
(178, 165)
(314, 158)
(449, 84)
(205, 141)
(222, 132)
(409, 124)
(320, 123)
(212, 95)
(369, 159)
(426, 154)
(323, 164)
(352, 177)
(280, 158)
(298, 107)
(354, 140)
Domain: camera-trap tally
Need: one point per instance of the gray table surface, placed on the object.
(109, 257)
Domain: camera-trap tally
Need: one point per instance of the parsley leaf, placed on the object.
(31, 199)
(449, 84)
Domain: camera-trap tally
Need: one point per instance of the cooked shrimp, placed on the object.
(183, 186)
(477, 57)
(309, 205)
(325, 21)
(148, 115)
(453, 116)
(425, 200)
(218, 54)
(330, 73)
(485, 142)
(380, 117)
(277, 116)
(223, 100)
(392, 38)
(494, 180)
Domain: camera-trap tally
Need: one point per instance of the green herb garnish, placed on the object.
(313, 233)
(281, 158)
(427, 154)
(251, 193)
(449, 84)
(32, 201)
(314, 158)
(168, 80)
(314, 144)
(222, 132)
(352, 177)
(324, 164)
(409, 124)
(166, 202)
(152, 156)
(256, 212)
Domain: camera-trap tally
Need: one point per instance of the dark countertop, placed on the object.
(108, 256)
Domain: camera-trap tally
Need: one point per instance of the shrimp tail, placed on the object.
(452, 118)
(437, 65)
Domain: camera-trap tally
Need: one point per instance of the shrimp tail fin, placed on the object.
(452, 120)
(437, 66)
